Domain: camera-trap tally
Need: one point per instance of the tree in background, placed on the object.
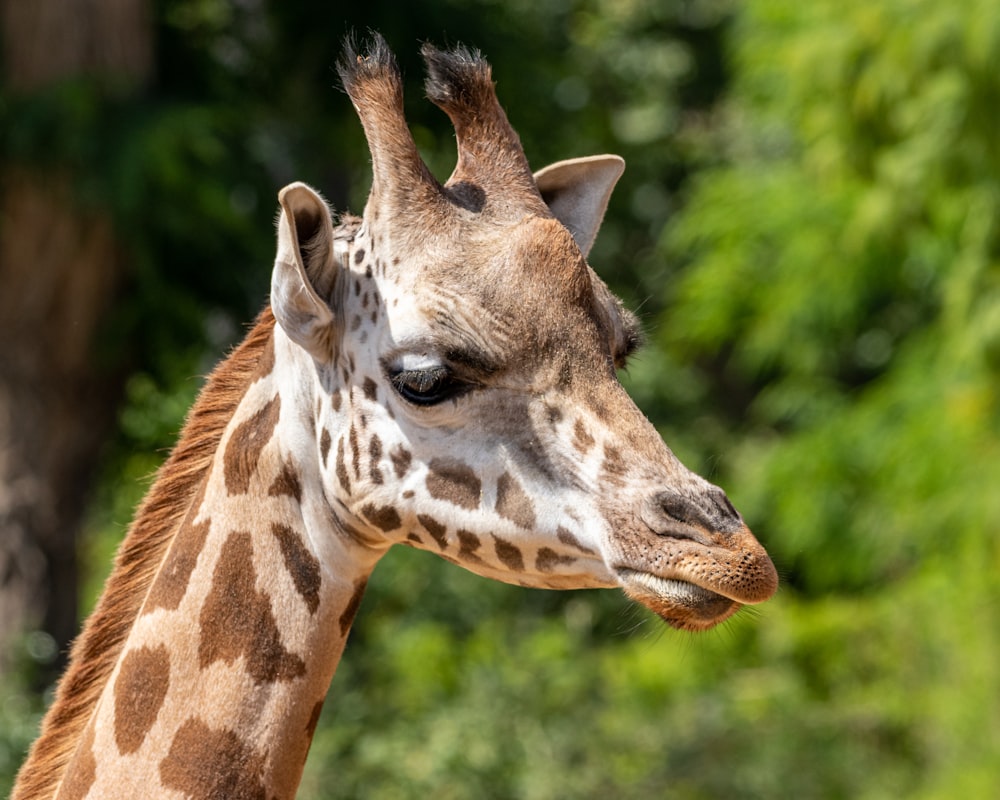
(61, 265)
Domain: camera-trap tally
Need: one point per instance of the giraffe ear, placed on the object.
(577, 191)
(305, 271)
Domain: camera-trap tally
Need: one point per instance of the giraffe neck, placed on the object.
(218, 685)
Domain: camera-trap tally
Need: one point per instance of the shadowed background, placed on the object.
(809, 227)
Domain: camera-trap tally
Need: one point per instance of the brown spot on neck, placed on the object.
(140, 690)
(301, 564)
(347, 617)
(246, 444)
(82, 770)
(237, 620)
(266, 364)
(171, 583)
(313, 720)
(286, 482)
(205, 762)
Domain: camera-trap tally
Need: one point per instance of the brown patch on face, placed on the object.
(513, 502)
(140, 690)
(342, 477)
(435, 529)
(171, 583)
(468, 544)
(324, 445)
(301, 564)
(375, 455)
(370, 388)
(246, 444)
(359, 256)
(286, 482)
(613, 468)
(401, 459)
(336, 401)
(568, 538)
(203, 762)
(509, 554)
(355, 451)
(548, 559)
(81, 771)
(347, 618)
(454, 483)
(582, 440)
(599, 408)
(412, 537)
(385, 518)
(237, 620)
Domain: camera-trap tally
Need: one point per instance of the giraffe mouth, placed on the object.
(681, 604)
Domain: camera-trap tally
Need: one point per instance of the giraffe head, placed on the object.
(463, 358)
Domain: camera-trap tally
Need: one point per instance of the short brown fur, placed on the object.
(97, 649)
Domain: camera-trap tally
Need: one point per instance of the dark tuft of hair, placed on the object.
(456, 78)
(373, 60)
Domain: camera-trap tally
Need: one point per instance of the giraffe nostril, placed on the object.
(679, 508)
(710, 511)
(727, 518)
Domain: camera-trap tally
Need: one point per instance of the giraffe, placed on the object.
(438, 373)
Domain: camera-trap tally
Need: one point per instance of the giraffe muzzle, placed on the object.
(681, 604)
(698, 563)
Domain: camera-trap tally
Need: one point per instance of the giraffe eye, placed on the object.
(426, 387)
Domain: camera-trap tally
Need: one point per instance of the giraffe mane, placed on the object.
(98, 647)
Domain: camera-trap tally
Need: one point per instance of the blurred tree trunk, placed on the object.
(59, 269)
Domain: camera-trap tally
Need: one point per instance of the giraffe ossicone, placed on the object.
(439, 373)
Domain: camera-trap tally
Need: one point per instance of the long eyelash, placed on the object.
(425, 378)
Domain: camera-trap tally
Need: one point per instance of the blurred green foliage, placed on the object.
(809, 228)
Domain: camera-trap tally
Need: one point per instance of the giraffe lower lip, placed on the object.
(680, 603)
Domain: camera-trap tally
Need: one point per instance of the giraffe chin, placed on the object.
(682, 605)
